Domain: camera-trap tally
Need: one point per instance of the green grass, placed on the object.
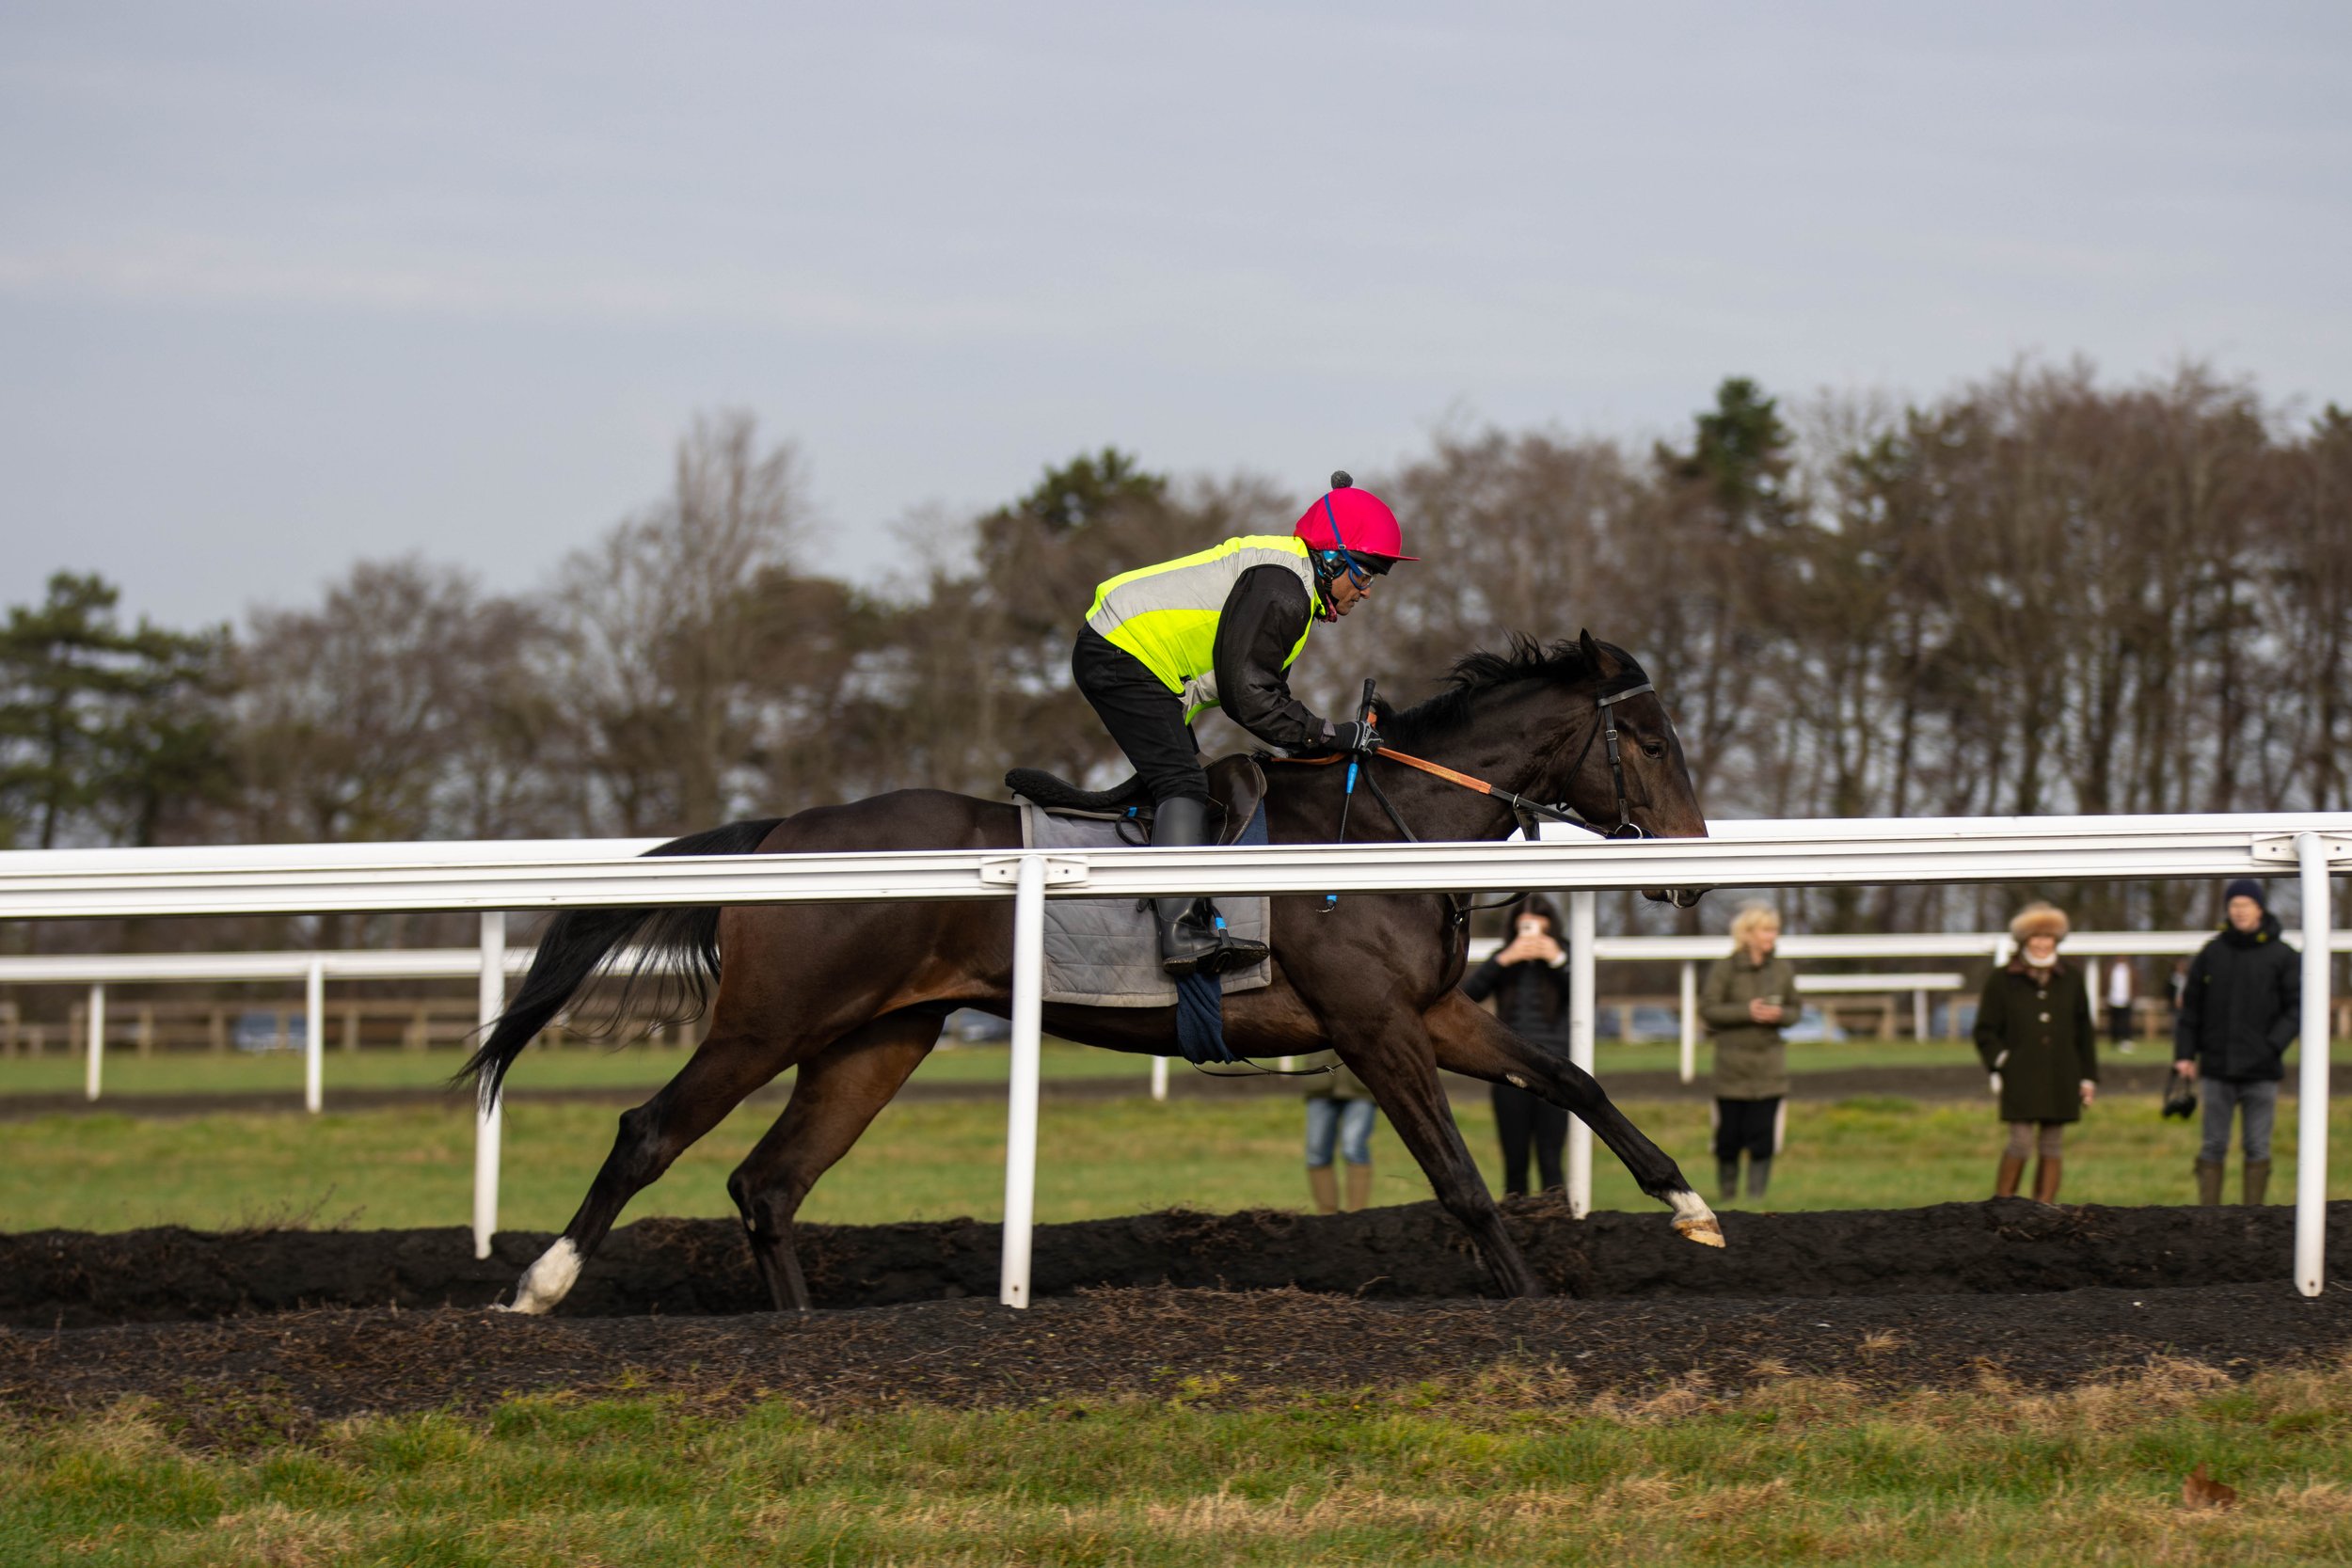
(573, 1066)
(412, 1166)
(1516, 1467)
(647, 1067)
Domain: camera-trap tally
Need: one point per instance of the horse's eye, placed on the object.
(1654, 749)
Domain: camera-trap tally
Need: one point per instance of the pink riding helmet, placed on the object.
(1354, 521)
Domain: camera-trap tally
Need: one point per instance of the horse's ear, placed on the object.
(1592, 651)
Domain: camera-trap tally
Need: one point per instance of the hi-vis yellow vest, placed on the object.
(1167, 615)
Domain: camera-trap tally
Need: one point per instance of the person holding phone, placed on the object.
(1747, 999)
(1529, 982)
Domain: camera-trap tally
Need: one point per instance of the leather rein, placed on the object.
(1526, 811)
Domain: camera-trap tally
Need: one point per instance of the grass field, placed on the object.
(1521, 1466)
(413, 1167)
(647, 1067)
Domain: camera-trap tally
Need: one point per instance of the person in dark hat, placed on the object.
(2240, 1010)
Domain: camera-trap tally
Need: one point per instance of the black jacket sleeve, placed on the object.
(2189, 1027)
(2287, 1023)
(1481, 984)
(1263, 618)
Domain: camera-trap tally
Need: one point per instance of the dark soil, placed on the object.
(247, 1380)
(678, 1268)
(249, 1336)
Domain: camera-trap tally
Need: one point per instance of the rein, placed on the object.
(1527, 811)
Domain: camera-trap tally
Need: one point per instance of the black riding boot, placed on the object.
(1192, 940)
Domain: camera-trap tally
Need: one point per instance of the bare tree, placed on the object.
(664, 638)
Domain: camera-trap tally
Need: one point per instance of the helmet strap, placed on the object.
(1356, 574)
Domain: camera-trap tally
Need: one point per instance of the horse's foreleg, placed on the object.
(1470, 1041)
(1391, 1052)
(837, 1096)
(724, 1069)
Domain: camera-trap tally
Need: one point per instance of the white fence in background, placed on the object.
(1690, 951)
(494, 878)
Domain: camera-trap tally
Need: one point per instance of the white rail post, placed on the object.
(1028, 987)
(96, 1069)
(489, 1119)
(1580, 932)
(1690, 1068)
(2310, 1147)
(1919, 1017)
(1159, 1078)
(314, 1036)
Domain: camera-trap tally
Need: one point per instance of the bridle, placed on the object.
(1530, 813)
(1606, 730)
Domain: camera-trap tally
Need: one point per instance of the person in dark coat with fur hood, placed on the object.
(2241, 1007)
(2036, 1038)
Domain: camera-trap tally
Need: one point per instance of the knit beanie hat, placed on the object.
(2245, 887)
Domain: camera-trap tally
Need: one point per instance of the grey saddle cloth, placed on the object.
(1106, 952)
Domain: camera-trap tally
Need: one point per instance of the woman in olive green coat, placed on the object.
(2035, 1034)
(1746, 999)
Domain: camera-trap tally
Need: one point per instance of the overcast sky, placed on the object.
(284, 285)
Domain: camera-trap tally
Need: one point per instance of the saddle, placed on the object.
(1236, 789)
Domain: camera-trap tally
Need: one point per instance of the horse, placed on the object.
(855, 995)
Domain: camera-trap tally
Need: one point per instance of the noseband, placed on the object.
(1605, 729)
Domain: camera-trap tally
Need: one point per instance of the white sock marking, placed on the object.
(548, 1280)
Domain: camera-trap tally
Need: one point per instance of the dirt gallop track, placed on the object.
(327, 1323)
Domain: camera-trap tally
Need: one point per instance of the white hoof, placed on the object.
(1695, 1220)
(548, 1281)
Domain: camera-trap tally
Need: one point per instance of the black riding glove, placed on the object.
(1354, 735)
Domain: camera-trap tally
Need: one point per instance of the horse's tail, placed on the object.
(677, 945)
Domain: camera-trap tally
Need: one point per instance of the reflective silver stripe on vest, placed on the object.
(1201, 587)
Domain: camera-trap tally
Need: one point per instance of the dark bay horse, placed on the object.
(855, 996)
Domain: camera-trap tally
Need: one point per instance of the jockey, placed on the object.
(1222, 628)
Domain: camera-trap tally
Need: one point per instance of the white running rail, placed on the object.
(540, 875)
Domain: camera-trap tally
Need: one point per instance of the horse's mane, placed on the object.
(1475, 674)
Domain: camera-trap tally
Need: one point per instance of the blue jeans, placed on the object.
(1347, 1122)
(2257, 1098)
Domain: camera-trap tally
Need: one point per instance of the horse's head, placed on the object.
(1641, 782)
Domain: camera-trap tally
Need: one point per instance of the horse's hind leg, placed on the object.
(836, 1099)
(726, 1068)
(1470, 1041)
(1387, 1049)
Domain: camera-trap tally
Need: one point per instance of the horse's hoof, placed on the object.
(1705, 1232)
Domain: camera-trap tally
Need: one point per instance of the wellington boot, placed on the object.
(1727, 1179)
(2257, 1182)
(2045, 1180)
(2012, 1172)
(2209, 1182)
(1760, 1175)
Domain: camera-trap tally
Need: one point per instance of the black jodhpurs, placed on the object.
(1143, 715)
(1527, 1122)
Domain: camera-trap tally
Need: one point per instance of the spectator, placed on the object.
(2240, 1009)
(2119, 992)
(2035, 1034)
(1340, 1111)
(1529, 982)
(1747, 998)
